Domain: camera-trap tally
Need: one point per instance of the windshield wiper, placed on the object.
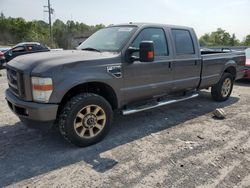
(91, 49)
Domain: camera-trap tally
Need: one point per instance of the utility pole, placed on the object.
(50, 11)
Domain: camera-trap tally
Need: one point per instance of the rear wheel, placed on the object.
(223, 89)
(85, 119)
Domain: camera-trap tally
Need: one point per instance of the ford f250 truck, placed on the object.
(126, 68)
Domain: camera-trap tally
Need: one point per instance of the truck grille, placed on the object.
(15, 81)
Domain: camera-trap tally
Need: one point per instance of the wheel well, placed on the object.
(232, 71)
(98, 88)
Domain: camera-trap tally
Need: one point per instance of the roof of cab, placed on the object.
(151, 25)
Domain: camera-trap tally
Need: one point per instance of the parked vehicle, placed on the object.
(2, 60)
(25, 48)
(4, 49)
(247, 67)
(126, 68)
(2, 57)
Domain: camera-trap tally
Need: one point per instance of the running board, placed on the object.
(158, 104)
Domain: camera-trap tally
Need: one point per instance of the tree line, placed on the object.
(222, 38)
(15, 30)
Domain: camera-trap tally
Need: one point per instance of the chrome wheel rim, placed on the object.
(89, 121)
(226, 87)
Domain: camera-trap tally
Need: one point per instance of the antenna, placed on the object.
(50, 11)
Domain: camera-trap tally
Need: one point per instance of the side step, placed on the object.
(158, 104)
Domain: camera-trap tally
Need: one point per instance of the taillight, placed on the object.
(2, 55)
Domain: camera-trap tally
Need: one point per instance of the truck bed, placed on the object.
(214, 61)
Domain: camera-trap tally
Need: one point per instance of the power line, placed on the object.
(50, 11)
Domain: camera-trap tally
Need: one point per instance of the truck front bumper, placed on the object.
(31, 110)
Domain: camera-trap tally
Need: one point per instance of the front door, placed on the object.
(144, 80)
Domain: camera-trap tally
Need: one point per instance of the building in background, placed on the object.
(76, 41)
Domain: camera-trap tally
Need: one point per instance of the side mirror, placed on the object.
(146, 51)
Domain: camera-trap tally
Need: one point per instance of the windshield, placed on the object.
(247, 53)
(108, 39)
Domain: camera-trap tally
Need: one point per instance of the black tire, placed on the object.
(216, 90)
(69, 113)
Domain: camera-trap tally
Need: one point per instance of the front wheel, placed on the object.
(223, 89)
(85, 119)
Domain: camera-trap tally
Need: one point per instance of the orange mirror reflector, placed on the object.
(150, 55)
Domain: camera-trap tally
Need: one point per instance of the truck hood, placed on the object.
(45, 61)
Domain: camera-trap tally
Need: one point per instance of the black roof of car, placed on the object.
(30, 43)
(27, 43)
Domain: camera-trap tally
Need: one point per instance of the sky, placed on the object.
(203, 15)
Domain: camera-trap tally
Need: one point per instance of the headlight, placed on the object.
(41, 89)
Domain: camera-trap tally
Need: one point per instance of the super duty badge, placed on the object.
(115, 71)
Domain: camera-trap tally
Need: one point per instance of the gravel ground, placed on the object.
(180, 145)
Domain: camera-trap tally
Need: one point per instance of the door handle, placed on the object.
(170, 65)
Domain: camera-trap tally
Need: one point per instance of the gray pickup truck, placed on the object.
(125, 68)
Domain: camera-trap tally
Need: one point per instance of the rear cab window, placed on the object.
(39, 47)
(183, 41)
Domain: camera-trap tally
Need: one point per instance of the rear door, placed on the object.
(149, 79)
(187, 61)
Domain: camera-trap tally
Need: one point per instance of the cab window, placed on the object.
(156, 35)
(183, 42)
(38, 47)
(30, 48)
(19, 49)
